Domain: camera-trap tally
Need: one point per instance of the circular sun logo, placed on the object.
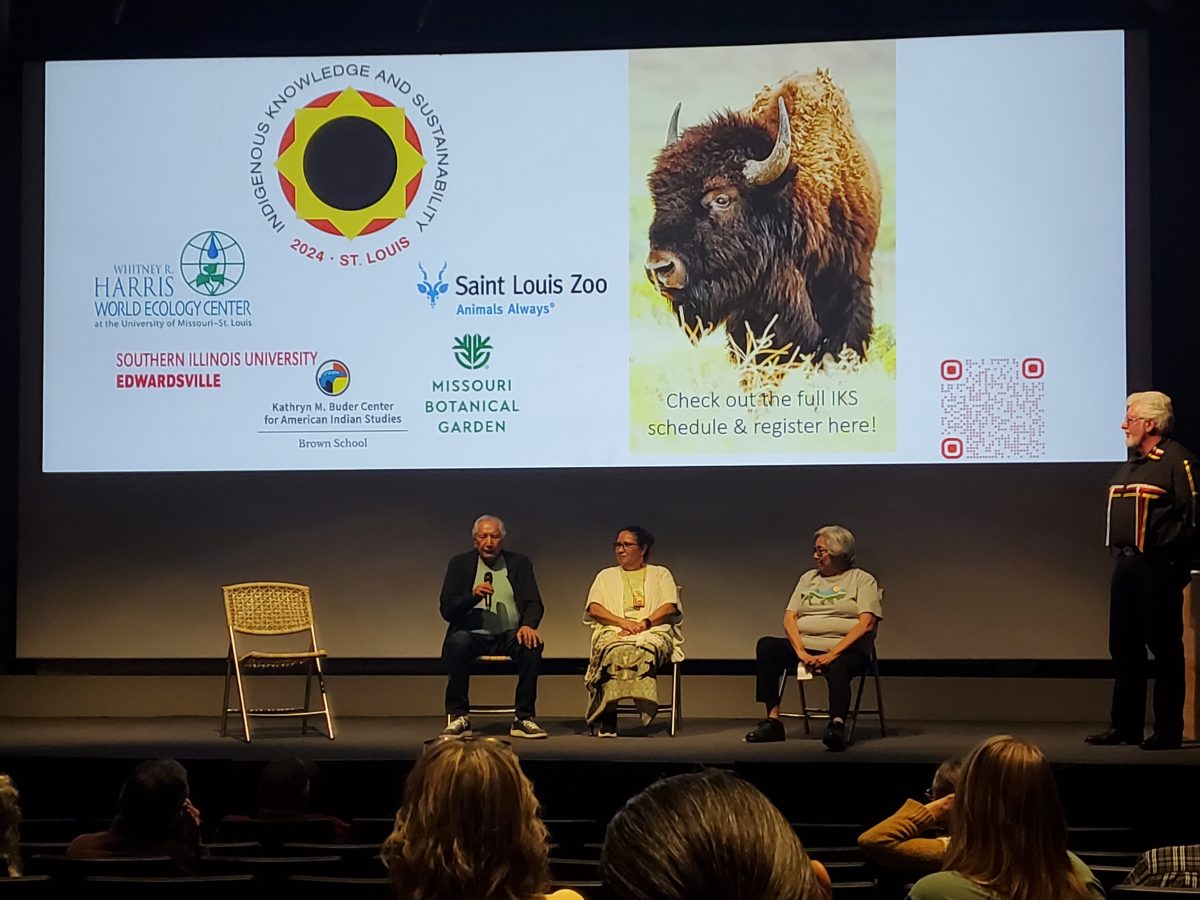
(333, 377)
(350, 163)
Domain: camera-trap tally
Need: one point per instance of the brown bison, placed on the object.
(770, 213)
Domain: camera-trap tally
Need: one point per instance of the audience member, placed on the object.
(706, 835)
(10, 827)
(154, 818)
(914, 838)
(1008, 835)
(284, 792)
(1167, 867)
(469, 827)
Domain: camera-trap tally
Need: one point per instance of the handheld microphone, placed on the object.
(487, 598)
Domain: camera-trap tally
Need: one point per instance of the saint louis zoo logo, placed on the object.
(212, 263)
(472, 351)
(350, 162)
(333, 377)
(432, 288)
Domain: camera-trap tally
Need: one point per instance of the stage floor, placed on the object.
(709, 741)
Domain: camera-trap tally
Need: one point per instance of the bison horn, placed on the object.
(673, 128)
(765, 171)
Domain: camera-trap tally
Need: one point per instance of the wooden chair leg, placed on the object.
(237, 670)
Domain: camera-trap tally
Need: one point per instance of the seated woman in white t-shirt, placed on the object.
(830, 626)
(634, 610)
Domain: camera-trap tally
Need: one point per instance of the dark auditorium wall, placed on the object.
(979, 561)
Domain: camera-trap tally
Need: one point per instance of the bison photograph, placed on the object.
(765, 220)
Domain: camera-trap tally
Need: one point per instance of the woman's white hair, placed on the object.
(839, 540)
(499, 524)
(1153, 405)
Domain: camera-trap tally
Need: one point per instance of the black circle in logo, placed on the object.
(350, 163)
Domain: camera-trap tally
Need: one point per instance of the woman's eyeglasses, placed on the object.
(624, 545)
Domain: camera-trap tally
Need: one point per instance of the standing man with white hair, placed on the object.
(1152, 528)
(490, 598)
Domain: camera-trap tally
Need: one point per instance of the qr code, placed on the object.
(993, 408)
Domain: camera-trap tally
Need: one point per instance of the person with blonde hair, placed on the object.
(1008, 835)
(706, 836)
(469, 828)
(1152, 529)
(10, 826)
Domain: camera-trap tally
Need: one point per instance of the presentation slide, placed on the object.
(872, 252)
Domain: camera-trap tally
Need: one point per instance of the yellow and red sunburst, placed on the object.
(343, 124)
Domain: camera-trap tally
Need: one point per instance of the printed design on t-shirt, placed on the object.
(824, 596)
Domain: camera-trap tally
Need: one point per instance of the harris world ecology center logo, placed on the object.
(354, 159)
(195, 292)
(212, 263)
(333, 377)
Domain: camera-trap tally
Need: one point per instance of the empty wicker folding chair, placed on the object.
(274, 610)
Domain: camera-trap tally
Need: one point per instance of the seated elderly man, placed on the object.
(491, 601)
(830, 627)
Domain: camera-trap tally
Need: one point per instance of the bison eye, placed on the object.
(718, 200)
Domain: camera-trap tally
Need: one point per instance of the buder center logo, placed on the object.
(350, 163)
(472, 351)
(212, 263)
(333, 377)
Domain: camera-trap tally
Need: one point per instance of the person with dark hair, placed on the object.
(706, 836)
(491, 601)
(284, 790)
(914, 838)
(154, 817)
(635, 611)
(830, 624)
(469, 828)
(1008, 835)
(10, 827)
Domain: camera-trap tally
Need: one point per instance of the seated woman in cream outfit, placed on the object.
(634, 610)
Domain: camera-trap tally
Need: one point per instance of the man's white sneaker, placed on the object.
(527, 728)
